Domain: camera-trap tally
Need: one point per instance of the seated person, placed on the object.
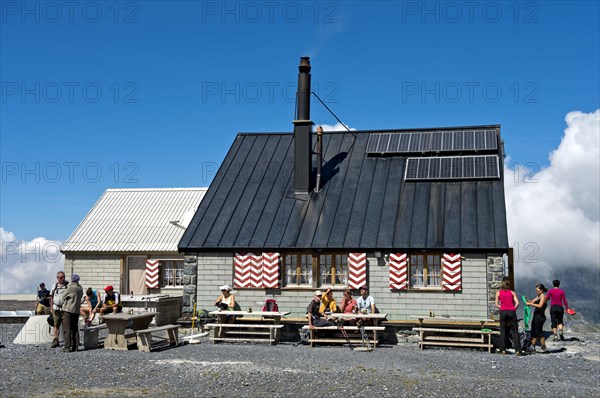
(43, 300)
(111, 302)
(349, 306)
(226, 302)
(315, 316)
(91, 305)
(328, 303)
(366, 304)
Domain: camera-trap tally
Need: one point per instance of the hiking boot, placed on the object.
(502, 352)
(55, 343)
(544, 349)
(66, 349)
(530, 349)
(555, 338)
(518, 353)
(562, 336)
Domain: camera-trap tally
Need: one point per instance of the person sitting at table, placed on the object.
(365, 304)
(91, 306)
(226, 302)
(348, 306)
(328, 303)
(111, 302)
(315, 316)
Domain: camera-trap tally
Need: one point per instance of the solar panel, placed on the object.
(452, 168)
(432, 141)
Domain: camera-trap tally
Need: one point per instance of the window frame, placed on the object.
(428, 272)
(163, 271)
(316, 264)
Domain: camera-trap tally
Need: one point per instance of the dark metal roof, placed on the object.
(364, 202)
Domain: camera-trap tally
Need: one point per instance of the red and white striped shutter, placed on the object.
(398, 271)
(451, 272)
(270, 270)
(152, 274)
(247, 270)
(357, 270)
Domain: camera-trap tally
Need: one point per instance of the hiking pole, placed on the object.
(341, 327)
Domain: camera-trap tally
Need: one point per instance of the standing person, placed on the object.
(43, 300)
(507, 302)
(71, 306)
(111, 302)
(328, 302)
(56, 291)
(226, 301)
(91, 305)
(316, 317)
(557, 298)
(539, 316)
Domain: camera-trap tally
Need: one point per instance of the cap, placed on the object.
(364, 288)
(74, 278)
(225, 287)
(109, 287)
(318, 293)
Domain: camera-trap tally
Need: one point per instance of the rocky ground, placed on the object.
(246, 370)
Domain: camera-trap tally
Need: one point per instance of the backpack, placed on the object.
(270, 306)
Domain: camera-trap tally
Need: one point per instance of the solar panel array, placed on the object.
(432, 141)
(452, 168)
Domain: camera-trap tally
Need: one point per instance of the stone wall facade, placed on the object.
(216, 269)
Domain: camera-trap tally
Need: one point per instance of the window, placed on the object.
(425, 270)
(312, 270)
(172, 272)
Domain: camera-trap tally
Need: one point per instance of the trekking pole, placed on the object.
(341, 327)
(365, 337)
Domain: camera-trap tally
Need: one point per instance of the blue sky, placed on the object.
(151, 94)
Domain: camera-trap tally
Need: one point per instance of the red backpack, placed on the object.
(270, 306)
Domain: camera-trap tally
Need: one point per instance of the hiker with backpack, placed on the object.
(56, 303)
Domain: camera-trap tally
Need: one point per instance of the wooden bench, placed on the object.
(144, 337)
(256, 333)
(475, 338)
(91, 335)
(353, 338)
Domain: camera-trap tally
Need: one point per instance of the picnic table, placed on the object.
(347, 333)
(117, 323)
(257, 326)
(458, 332)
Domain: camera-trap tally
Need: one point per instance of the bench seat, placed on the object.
(144, 337)
(352, 338)
(248, 332)
(474, 338)
(91, 335)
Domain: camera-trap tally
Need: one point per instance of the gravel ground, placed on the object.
(248, 370)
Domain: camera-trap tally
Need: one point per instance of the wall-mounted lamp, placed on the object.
(176, 223)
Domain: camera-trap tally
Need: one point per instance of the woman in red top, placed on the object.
(348, 305)
(557, 298)
(507, 302)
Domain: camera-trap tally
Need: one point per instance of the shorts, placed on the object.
(41, 309)
(556, 315)
(58, 317)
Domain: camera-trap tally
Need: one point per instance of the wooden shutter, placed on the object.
(451, 272)
(152, 273)
(398, 271)
(247, 272)
(270, 270)
(357, 270)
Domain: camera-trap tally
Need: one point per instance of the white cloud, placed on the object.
(553, 216)
(25, 264)
(336, 127)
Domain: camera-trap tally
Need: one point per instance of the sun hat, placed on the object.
(571, 311)
(318, 293)
(75, 278)
(225, 287)
(109, 287)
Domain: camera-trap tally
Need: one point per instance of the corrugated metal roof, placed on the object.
(364, 203)
(135, 220)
